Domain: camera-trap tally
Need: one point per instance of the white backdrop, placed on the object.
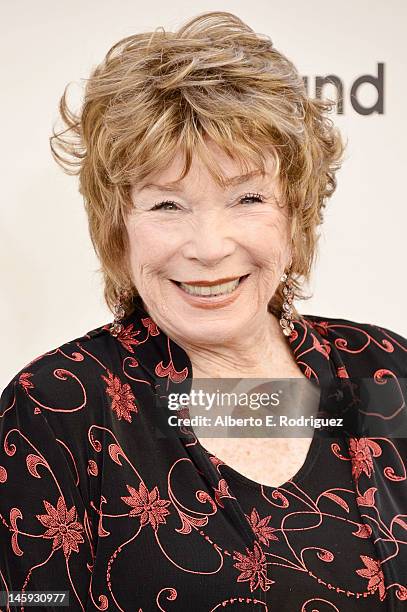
(50, 291)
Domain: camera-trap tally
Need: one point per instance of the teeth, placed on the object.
(213, 290)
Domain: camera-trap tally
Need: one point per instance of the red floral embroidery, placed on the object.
(261, 528)
(363, 531)
(222, 490)
(127, 338)
(321, 327)
(151, 326)
(367, 499)
(62, 525)
(92, 468)
(401, 593)
(123, 400)
(324, 347)
(253, 568)
(25, 382)
(308, 372)
(317, 513)
(148, 505)
(174, 375)
(374, 573)
(361, 454)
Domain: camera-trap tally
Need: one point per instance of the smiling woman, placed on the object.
(214, 92)
(205, 169)
(221, 253)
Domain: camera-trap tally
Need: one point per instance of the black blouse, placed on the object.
(94, 502)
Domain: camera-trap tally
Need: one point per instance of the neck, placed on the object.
(262, 353)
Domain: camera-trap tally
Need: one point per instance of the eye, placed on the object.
(253, 196)
(166, 203)
(160, 205)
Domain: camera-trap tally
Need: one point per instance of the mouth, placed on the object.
(208, 291)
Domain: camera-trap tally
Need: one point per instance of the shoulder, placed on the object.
(60, 380)
(49, 412)
(363, 342)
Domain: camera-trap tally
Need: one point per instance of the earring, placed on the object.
(287, 312)
(119, 313)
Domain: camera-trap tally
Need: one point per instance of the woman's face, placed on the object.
(198, 232)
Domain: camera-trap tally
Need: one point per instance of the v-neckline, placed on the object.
(313, 356)
(168, 365)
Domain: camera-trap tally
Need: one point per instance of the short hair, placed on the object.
(157, 92)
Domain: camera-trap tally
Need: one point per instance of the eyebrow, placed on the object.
(175, 186)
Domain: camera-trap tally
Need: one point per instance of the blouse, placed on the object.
(103, 500)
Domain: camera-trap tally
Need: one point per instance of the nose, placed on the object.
(211, 239)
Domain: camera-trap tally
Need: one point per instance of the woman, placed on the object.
(100, 495)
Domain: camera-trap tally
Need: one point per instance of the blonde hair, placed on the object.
(159, 91)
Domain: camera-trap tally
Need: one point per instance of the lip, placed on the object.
(204, 283)
(212, 302)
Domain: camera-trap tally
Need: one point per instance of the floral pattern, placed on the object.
(252, 566)
(123, 400)
(261, 527)
(362, 451)
(148, 506)
(373, 572)
(62, 526)
(98, 497)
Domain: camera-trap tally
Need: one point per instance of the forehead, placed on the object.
(177, 185)
(232, 171)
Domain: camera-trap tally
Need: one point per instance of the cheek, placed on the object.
(268, 240)
(149, 246)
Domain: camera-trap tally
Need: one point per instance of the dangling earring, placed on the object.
(119, 312)
(287, 312)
